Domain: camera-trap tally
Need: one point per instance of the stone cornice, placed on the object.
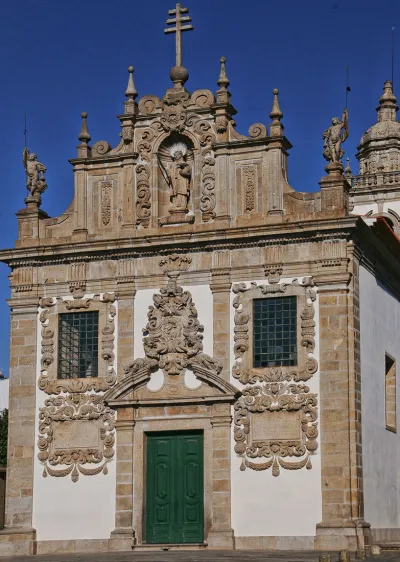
(143, 245)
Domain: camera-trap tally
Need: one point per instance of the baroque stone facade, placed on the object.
(170, 239)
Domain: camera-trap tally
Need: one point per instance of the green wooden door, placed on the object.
(174, 488)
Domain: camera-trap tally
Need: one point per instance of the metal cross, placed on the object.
(178, 20)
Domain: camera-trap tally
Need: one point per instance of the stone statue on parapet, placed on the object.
(35, 181)
(334, 137)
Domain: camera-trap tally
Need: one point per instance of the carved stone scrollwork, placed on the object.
(100, 148)
(173, 335)
(143, 204)
(277, 418)
(79, 418)
(258, 131)
(258, 438)
(207, 198)
(48, 317)
(106, 194)
(202, 98)
(250, 174)
(149, 104)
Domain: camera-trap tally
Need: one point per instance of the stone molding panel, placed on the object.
(49, 310)
(276, 416)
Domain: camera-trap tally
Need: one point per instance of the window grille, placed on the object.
(78, 345)
(275, 332)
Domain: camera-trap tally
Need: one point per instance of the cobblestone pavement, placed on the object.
(193, 556)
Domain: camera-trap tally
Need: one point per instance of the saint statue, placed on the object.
(334, 137)
(34, 169)
(179, 177)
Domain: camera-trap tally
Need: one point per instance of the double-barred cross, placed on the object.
(178, 20)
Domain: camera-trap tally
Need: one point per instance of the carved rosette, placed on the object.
(58, 429)
(276, 416)
(48, 317)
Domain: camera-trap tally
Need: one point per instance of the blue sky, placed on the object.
(60, 58)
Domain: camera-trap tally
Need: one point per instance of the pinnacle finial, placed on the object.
(223, 80)
(130, 91)
(276, 127)
(276, 113)
(387, 103)
(84, 136)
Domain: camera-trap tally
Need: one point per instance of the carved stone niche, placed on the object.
(275, 418)
(75, 431)
(49, 311)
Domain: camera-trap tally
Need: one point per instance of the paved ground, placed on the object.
(193, 556)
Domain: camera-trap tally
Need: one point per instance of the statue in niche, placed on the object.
(35, 170)
(176, 169)
(334, 136)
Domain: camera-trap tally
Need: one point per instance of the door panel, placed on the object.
(175, 488)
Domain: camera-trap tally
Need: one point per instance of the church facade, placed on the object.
(201, 356)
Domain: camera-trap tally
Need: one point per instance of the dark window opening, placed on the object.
(275, 332)
(78, 345)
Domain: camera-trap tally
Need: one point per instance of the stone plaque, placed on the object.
(276, 426)
(76, 434)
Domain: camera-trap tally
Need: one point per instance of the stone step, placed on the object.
(389, 545)
(170, 546)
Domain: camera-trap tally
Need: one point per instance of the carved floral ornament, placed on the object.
(48, 317)
(82, 418)
(276, 416)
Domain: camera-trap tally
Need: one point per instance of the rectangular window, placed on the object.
(78, 345)
(390, 392)
(275, 332)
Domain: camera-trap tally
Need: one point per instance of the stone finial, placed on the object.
(223, 80)
(131, 92)
(84, 137)
(276, 127)
(387, 104)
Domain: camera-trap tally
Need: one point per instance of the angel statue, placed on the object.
(178, 175)
(34, 169)
(334, 137)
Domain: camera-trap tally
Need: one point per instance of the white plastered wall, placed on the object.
(290, 504)
(364, 209)
(380, 333)
(66, 510)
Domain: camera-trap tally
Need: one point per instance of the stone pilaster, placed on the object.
(122, 536)
(342, 524)
(221, 535)
(220, 287)
(126, 301)
(18, 535)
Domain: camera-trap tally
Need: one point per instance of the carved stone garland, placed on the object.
(62, 416)
(279, 398)
(48, 382)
